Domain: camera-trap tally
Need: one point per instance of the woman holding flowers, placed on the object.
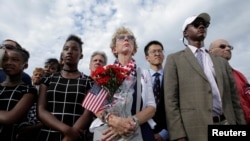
(124, 46)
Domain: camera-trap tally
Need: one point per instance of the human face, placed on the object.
(197, 30)
(222, 48)
(71, 53)
(124, 45)
(96, 61)
(155, 55)
(50, 68)
(199, 21)
(13, 63)
(37, 77)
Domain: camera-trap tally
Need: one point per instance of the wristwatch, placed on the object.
(136, 121)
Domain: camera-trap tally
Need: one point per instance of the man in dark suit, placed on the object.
(154, 54)
(199, 88)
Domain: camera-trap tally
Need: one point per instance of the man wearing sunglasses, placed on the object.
(221, 47)
(9, 44)
(196, 92)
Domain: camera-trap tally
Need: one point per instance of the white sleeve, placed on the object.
(147, 94)
(147, 89)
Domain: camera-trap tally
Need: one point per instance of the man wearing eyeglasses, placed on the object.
(221, 47)
(195, 89)
(9, 44)
(154, 54)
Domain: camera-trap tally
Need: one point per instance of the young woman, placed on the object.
(16, 97)
(51, 65)
(61, 95)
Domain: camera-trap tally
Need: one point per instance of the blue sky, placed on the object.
(42, 26)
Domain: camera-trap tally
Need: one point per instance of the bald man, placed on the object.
(222, 48)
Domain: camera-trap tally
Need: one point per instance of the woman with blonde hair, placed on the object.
(124, 46)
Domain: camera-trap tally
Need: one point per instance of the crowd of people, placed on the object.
(195, 88)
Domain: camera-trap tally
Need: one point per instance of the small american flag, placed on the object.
(95, 98)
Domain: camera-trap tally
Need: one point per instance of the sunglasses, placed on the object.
(122, 37)
(223, 46)
(10, 47)
(199, 22)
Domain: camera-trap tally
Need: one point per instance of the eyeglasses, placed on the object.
(223, 46)
(156, 51)
(198, 22)
(10, 47)
(122, 37)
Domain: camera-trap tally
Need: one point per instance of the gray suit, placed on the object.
(188, 96)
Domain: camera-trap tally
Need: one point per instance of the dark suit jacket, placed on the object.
(188, 95)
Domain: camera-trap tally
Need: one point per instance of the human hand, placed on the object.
(123, 126)
(182, 139)
(67, 138)
(158, 137)
(110, 135)
(72, 134)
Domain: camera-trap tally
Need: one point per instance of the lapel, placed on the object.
(162, 88)
(193, 61)
(218, 73)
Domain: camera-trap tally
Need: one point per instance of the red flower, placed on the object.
(110, 77)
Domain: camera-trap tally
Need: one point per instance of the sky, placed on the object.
(42, 26)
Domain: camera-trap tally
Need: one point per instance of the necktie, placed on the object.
(156, 87)
(199, 57)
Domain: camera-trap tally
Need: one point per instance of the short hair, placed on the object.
(103, 54)
(38, 69)
(17, 44)
(122, 30)
(75, 38)
(25, 54)
(53, 61)
(154, 42)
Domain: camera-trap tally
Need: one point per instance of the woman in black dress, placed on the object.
(61, 95)
(16, 97)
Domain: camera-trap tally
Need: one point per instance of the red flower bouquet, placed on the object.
(110, 77)
(119, 85)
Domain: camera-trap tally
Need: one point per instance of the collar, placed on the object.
(193, 49)
(152, 72)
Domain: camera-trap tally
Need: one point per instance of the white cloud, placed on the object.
(43, 26)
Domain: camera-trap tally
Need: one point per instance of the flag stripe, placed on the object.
(95, 98)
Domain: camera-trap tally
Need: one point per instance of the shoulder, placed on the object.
(2, 72)
(178, 53)
(87, 80)
(2, 75)
(26, 78)
(239, 74)
(86, 77)
(219, 59)
(27, 88)
(145, 75)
